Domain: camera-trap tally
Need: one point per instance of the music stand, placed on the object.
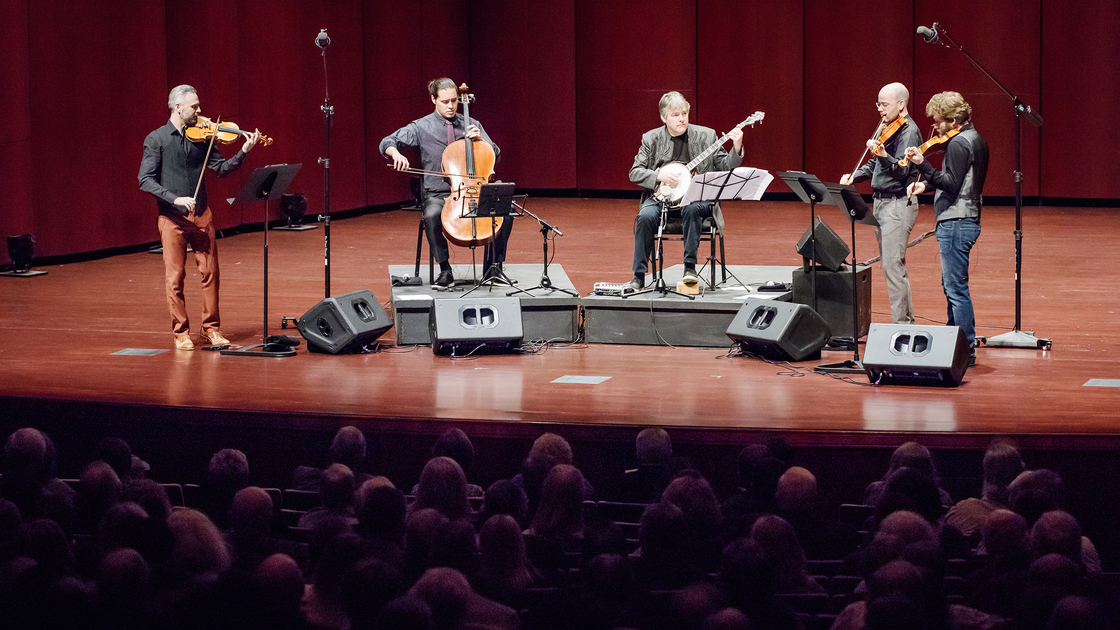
(265, 182)
(495, 201)
(812, 191)
(849, 200)
(743, 183)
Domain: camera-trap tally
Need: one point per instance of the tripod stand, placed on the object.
(659, 285)
(264, 182)
(855, 208)
(546, 283)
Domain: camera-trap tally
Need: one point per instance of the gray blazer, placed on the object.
(657, 151)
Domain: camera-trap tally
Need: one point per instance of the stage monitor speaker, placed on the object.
(834, 297)
(831, 249)
(344, 323)
(900, 354)
(462, 326)
(779, 331)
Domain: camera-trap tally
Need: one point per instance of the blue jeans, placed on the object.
(956, 237)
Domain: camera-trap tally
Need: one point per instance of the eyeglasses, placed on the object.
(881, 105)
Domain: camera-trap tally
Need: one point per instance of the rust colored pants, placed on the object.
(198, 232)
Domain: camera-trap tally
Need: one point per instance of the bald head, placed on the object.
(907, 526)
(797, 490)
(895, 92)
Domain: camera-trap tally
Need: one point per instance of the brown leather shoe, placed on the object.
(215, 338)
(183, 342)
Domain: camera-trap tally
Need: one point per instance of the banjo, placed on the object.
(673, 194)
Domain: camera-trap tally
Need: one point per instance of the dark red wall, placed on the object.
(565, 88)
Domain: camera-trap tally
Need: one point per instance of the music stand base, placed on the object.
(847, 367)
(296, 228)
(263, 350)
(1017, 339)
(30, 273)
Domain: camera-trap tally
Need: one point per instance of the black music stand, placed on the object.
(265, 182)
(495, 201)
(742, 183)
(546, 282)
(812, 191)
(849, 200)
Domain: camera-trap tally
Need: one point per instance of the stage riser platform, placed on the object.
(551, 316)
(653, 319)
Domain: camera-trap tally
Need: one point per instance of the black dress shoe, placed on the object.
(445, 279)
(635, 284)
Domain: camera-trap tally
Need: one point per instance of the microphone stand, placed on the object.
(322, 41)
(1016, 338)
(546, 282)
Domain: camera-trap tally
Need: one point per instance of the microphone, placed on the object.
(322, 40)
(930, 34)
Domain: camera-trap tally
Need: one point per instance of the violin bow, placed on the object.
(205, 161)
(866, 148)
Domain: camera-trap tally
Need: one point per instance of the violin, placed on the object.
(887, 132)
(930, 144)
(467, 164)
(206, 129)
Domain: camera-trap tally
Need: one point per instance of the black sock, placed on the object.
(445, 266)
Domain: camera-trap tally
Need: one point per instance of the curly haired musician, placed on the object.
(957, 202)
(676, 141)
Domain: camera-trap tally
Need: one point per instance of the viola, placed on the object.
(224, 132)
(467, 164)
(931, 144)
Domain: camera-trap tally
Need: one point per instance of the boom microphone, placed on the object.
(322, 40)
(930, 34)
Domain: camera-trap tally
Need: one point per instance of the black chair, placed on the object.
(711, 230)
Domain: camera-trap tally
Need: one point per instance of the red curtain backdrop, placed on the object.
(565, 88)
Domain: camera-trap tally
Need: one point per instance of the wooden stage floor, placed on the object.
(59, 333)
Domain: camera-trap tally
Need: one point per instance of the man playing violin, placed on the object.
(431, 135)
(171, 169)
(675, 141)
(957, 202)
(893, 209)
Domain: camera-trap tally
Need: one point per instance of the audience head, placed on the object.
(251, 513)
(779, 544)
(797, 491)
(446, 592)
(908, 527)
(696, 499)
(1002, 464)
(443, 486)
(342, 552)
(115, 452)
(552, 447)
(456, 545)
(505, 497)
(279, 584)
(43, 541)
(501, 545)
(610, 578)
(420, 533)
(749, 578)
(653, 447)
(661, 532)
(125, 524)
(912, 455)
(229, 470)
(748, 458)
(405, 613)
(149, 495)
(336, 487)
(124, 576)
(100, 486)
(1004, 533)
(1036, 491)
(28, 452)
(560, 513)
(764, 482)
(1076, 612)
(691, 605)
(727, 619)
(380, 509)
(349, 448)
(919, 487)
(455, 444)
(1056, 532)
(198, 546)
(369, 586)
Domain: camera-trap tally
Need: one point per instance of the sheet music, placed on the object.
(744, 183)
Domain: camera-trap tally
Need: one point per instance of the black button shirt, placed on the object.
(172, 164)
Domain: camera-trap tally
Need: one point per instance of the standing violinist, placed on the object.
(675, 141)
(171, 169)
(431, 135)
(893, 209)
(957, 202)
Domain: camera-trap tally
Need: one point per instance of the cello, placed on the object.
(467, 164)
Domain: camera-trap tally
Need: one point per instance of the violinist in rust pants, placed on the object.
(431, 135)
(171, 170)
(895, 212)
